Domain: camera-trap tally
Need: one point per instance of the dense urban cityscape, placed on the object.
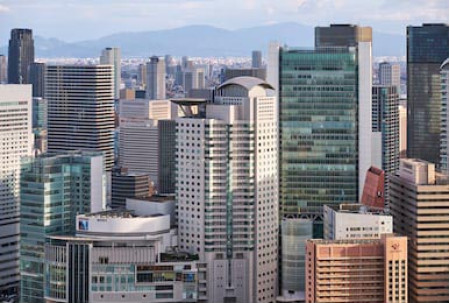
(291, 174)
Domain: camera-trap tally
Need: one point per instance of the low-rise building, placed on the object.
(117, 256)
(357, 270)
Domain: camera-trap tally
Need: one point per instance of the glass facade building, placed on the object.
(318, 91)
(294, 233)
(385, 119)
(427, 49)
(53, 190)
(20, 55)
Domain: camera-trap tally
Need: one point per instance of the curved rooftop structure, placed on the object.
(246, 82)
(444, 63)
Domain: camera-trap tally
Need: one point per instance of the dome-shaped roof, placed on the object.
(444, 64)
(246, 82)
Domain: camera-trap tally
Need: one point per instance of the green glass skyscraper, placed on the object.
(325, 121)
(427, 49)
(53, 190)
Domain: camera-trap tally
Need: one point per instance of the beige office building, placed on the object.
(420, 209)
(357, 271)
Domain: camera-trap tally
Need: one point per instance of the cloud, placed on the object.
(4, 9)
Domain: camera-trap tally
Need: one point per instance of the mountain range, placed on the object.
(202, 41)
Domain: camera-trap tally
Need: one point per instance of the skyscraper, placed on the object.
(168, 63)
(385, 119)
(53, 190)
(156, 79)
(3, 70)
(227, 180)
(389, 74)
(142, 75)
(444, 117)
(20, 55)
(37, 79)
(148, 147)
(325, 121)
(256, 59)
(419, 206)
(16, 142)
(427, 48)
(111, 55)
(81, 109)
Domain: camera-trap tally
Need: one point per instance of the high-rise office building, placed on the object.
(148, 147)
(325, 120)
(357, 270)
(227, 197)
(111, 56)
(81, 109)
(142, 75)
(156, 79)
(37, 79)
(389, 74)
(16, 141)
(3, 70)
(444, 117)
(168, 62)
(419, 206)
(427, 48)
(20, 55)
(53, 190)
(256, 59)
(385, 119)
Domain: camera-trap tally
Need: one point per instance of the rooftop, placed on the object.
(246, 82)
(156, 198)
(118, 213)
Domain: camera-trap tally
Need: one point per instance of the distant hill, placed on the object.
(202, 41)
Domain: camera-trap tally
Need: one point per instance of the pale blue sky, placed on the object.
(75, 20)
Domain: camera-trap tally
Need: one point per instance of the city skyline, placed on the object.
(138, 15)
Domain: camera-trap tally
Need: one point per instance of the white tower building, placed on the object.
(227, 191)
(16, 141)
(111, 56)
(156, 78)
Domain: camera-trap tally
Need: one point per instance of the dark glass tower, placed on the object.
(37, 78)
(20, 55)
(427, 49)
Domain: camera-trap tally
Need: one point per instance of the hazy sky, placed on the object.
(75, 20)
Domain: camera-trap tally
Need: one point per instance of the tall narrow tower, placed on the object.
(16, 142)
(20, 55)
(427, 49)
(227, 191)
(156, 79)
(111, 55)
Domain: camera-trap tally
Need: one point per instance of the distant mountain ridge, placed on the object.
(203, 41)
